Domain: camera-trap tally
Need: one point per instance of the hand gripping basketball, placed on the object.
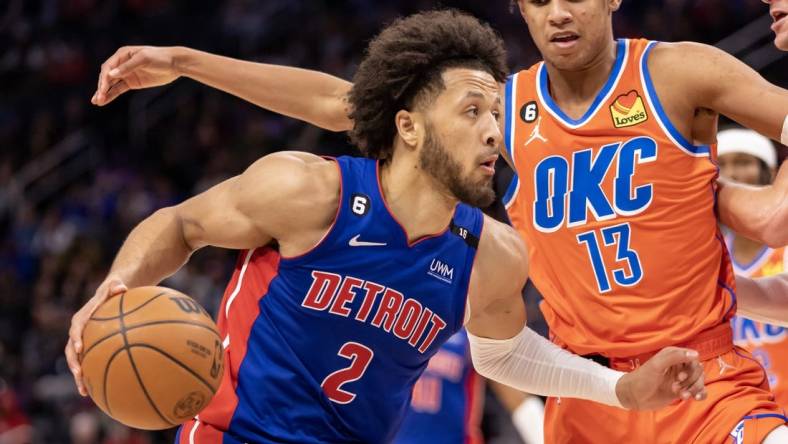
(151, 357)
(672, 373)
(112, 286)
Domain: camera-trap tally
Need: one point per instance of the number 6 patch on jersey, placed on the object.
(359, 204)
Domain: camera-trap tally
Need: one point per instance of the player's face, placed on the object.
(462, 135)
(778, 9)
(742, 168)
(570, 34)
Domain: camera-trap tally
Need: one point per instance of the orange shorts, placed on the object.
(739, 409)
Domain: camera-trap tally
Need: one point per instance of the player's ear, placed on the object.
(614, 5)
(408, 126)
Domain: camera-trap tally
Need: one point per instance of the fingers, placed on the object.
(105, 80)
(75, 367)
(698, 389)
(694, 385)
(78, 322)
(689, 381)
(116, 287)
(116, 90)
(111, 287)
(673, 356)
(133, 61)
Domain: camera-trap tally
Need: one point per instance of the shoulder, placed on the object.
(301, 188)
(289, 174)
(676, 54)
(524, 74)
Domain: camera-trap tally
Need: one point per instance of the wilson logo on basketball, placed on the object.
(188, 305)
(628, 110)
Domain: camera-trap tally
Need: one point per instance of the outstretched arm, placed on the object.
(504, 350)
(763, 299)
(737, 91)
(312, 96)
(290, 197)
(758, 213)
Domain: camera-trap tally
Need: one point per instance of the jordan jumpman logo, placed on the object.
(535, 134)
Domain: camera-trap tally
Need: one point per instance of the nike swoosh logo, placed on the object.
(354, 242)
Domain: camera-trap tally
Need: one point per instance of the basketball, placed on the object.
(152, 358)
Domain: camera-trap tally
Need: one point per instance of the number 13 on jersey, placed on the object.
(618, 237)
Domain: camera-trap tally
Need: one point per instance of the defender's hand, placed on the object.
(110, 287)
(134, 67)
(672, 373)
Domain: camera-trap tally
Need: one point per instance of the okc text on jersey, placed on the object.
(563, 195)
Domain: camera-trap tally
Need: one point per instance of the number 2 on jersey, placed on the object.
(360, 356)
(618, 235)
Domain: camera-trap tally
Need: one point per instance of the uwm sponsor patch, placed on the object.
(628, 110)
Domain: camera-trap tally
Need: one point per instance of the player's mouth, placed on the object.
(564, 39)
(779, 18)
(488, 164)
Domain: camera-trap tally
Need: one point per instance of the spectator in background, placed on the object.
(15, 427)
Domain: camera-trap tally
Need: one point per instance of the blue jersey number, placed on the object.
(619, 236)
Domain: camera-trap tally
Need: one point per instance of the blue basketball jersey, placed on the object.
(326, 347)
(447, 399)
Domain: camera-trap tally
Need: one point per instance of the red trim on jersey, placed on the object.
(203, 434)
(386, 204)
(333, 222)
(474, 390)
(254, 271)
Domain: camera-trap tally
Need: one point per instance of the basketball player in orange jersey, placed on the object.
(746, 156)
(380, 219)
(615, 188)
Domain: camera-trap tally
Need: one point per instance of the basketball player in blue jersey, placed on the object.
(356, 270)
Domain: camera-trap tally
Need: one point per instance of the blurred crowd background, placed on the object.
(74, 179)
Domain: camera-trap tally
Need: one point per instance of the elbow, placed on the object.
(775, 230)
(179, 227)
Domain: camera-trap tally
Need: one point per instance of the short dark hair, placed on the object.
(404, 64)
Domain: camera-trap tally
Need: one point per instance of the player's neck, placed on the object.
(575, 90)
(413, 198)
(745, 250)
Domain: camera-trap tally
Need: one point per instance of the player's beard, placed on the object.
(437, 161)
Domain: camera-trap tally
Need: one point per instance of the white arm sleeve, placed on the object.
(533, 364)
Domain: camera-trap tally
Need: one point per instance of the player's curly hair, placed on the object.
(403, 66)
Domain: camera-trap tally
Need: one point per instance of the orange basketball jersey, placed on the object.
(767, 343)
(617, 209)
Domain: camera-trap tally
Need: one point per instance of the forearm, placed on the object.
(312, 96)
(154, 250)
(757, 213)
(530, 363)
(764, 299)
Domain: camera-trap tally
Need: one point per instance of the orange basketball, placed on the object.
(152, 357)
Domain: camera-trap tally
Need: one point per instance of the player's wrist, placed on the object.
(623, 390)
(183, 61)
